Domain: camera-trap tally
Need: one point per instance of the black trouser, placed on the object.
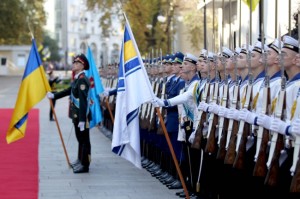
(51, 112)
(84, 145)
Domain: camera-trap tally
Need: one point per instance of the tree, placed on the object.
(142, 15)
(49, 49)
(15, 18)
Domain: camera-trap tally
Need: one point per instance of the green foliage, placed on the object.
(49, 45)
(149, 33)
(15, 16)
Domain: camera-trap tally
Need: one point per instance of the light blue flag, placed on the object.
(96, 88)
(133, 90)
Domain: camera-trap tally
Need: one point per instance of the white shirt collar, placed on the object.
(77, 75)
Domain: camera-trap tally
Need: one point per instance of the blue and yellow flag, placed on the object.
(133, 90)
(253, 2)
(33, 89)
(96, 89)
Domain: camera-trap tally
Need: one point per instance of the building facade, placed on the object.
(76, 28)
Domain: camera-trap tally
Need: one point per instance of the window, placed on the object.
(3, 61)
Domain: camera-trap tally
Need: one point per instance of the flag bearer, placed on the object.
(80, 113)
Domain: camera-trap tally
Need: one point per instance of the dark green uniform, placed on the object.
(79, 112)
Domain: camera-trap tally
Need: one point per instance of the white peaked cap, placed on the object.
(275, 45)
(290, 43)
(237, 50)
(226, 52)
(203, 53)
(244, 48)
(258, 47)
(190, 58)
(210, 56)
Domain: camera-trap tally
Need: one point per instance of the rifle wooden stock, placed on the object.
(260, 168)
(239, 161)
(223, 126)
(162, 110)
(233, 127)
(152, 114)
(242, 135)
(211, 144)
(144, 119)
(231, 151)
(297, 137)
(199, 128)
(198, 135)
(273, 172)
(295, 184)
(277, 144)
(222, 145)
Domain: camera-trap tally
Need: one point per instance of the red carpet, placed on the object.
(19, 160)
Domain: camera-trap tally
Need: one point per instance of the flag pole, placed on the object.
(164, 128)
(109, 110)
(52, 107)
(172, 152)
(60, 134)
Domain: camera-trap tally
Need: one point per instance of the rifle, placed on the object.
(244, 128)
(223, 122)
(233, 124)
(151, 116)
(144, 109)
(260, 168)
(213, 119)
(295, 168)
(201, 116)
(162, 110)
(295, 185)
(277, 140)
(144, 123)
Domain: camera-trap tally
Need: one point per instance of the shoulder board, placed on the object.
(82, 75)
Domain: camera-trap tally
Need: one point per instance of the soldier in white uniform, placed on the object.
(189, 74)
(289, 50)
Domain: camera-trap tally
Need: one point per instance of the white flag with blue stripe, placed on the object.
(133, 90)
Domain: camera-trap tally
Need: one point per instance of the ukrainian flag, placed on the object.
(133, 90)
(253, 2)
(33, 89)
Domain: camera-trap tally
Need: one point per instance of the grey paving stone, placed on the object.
(110, 176)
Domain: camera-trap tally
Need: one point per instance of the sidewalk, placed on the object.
(110, 176)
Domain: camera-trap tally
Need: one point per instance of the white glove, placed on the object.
(192, 137)
(277, 125)
(81, 126)
(295, 128)
(213, 108)
(264, 120)
(203, 106)
(223, 112)
(233, 114)
(106, 93)
(156, 102)
(247, 116)
(50, 95)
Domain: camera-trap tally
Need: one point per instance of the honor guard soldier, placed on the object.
(80, 113)
(174, 85)
(282, 125)
(189, 74)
